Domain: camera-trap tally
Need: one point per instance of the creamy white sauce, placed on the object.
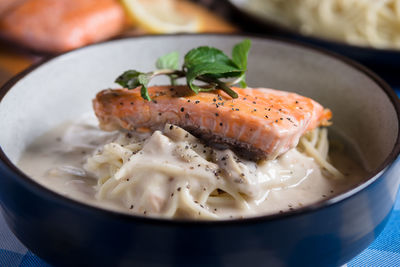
(147, 182)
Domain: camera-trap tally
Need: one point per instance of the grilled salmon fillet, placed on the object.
(61, 25)
(260, 123)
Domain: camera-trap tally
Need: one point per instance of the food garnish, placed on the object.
(206, 64)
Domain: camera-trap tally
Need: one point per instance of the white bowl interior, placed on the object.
(63, 88)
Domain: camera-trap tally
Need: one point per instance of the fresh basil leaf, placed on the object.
(145, 93)
(208, 69)
(144, 80)
(242, 82)
(204, 63)
(205, 54)
(168, 61)
(129, 79)
(240, 53)
(233, 74)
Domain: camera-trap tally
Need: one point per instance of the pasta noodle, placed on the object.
(171, 173)
(374, 23)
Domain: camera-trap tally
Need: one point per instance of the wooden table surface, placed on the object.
(14, 60)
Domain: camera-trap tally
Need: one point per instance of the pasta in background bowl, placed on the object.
(358, 22)
(366, 114)
(365, 30)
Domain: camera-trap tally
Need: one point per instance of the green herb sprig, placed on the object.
(206, 64)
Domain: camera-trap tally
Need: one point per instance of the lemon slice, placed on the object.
(160, 16)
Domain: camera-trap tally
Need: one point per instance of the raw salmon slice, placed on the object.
(261, 123)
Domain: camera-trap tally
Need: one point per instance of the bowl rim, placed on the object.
(265, 22)
(370, 178)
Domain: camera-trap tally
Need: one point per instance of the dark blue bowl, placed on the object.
(65, 232)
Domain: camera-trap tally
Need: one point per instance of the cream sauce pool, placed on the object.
(56, 160)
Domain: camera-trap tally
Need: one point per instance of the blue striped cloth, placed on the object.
(384, 251)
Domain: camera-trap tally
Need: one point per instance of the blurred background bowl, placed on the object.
(385, 62)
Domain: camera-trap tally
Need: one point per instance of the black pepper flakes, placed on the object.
(182, 109)
(216, 114)
(197, 101)
(178, 189)
(220, 124)
(171, 127)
